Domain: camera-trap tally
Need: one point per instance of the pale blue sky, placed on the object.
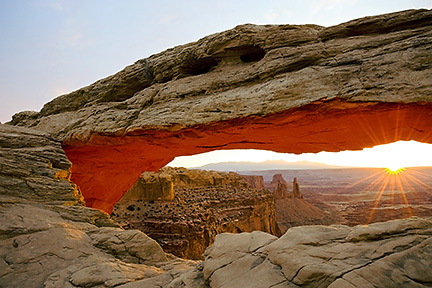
(51, 47)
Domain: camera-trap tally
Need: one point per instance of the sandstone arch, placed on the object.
(285, 88)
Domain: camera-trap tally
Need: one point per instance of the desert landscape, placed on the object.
(364, 195)
(185, 209)
(202, 205)
(102, 150)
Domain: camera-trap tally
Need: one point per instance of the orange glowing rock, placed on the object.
(104, 172)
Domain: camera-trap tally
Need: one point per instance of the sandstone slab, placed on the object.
(389, 254)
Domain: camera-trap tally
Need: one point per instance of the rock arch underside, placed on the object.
(286, 88)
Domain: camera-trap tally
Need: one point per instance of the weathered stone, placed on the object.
(254, 181)
(34, 167)
(391, 254)
(48, 239)
(276, 181)
(286, 88)
(151, 186)
(281, 191)
(296, 190)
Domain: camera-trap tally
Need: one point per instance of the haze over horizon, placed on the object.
(395, 155)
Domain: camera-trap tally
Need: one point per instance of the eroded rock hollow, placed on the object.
(285, 88)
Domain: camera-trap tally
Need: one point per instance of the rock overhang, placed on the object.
(287, 88)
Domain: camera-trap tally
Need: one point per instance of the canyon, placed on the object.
(286, 88)
(204, 204)
(48, 238)
(201, 204)
(359, 196)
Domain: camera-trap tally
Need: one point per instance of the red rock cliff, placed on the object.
(205, 203)
(256, 182)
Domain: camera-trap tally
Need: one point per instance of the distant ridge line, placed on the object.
(267, 165)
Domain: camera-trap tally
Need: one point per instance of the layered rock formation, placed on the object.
(255, 181)
(151, 187)
(277, 180)
(285, 88)
(204, 204)
(296, 190)
(49, 239)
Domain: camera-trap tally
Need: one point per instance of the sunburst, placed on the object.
(391, 187)
(394, 170)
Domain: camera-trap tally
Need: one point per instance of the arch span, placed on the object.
(106, 166)
(286, 88)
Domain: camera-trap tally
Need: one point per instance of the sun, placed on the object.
(394, 169)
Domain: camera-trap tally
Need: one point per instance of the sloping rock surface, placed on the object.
(389, 254)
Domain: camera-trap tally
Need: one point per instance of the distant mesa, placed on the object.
(255, 181)
(277, 179)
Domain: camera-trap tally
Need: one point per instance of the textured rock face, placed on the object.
(298, 88)
(296, 190)
(391, 254)
(255, 182)
(281, 191)
(49, 239)
(204, 204)
(150, 187)
(277, 180)
(34, 167)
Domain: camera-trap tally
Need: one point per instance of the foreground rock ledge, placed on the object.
(285, 88)
(389, 254)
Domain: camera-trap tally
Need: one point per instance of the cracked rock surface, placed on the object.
(388, 254)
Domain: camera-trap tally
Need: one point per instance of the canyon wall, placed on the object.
(255, 181)
(204, 204)
(286, 88)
